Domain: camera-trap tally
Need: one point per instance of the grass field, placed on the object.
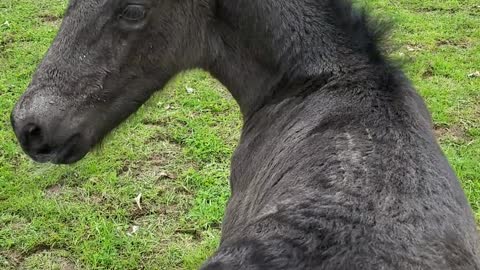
(175, 151)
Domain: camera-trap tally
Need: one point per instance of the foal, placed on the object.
(337, 166)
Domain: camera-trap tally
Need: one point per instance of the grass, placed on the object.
(175, 151)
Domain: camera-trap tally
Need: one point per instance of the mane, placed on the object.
(364, 33)
(368, 34)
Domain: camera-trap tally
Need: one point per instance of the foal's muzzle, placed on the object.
(48, 137)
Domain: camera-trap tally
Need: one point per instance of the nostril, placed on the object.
(34, 140)
(32, 135)
(34, 131)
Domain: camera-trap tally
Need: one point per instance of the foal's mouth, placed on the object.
(69, 152)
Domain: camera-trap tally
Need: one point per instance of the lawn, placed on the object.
(175, 151)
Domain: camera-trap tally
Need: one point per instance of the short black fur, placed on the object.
(337, 166)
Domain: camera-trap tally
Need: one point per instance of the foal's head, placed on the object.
(111, 55)
(107, 59)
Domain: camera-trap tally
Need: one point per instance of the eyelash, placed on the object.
(133, 12)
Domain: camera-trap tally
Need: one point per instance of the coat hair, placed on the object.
(337, 166)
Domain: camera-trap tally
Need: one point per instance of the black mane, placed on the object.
(369, 34)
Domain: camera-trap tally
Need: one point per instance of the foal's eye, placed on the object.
(133, 13)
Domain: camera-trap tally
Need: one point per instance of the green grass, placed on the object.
(175, 151)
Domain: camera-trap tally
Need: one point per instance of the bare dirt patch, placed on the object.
(171, 210)
(50, 19)
(428, 72)
(156, 165)
(461, 43)
(54, 191)
(452, 132)
(20, 260)
(55, 259)
(450, 10)
(155, 122)
(153, 167)
(196, 234)
(6, 40)
(414, 47)
(13, 258)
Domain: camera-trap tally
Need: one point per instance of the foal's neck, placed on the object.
(261, 47)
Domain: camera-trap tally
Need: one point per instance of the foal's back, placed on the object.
(346, 176)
